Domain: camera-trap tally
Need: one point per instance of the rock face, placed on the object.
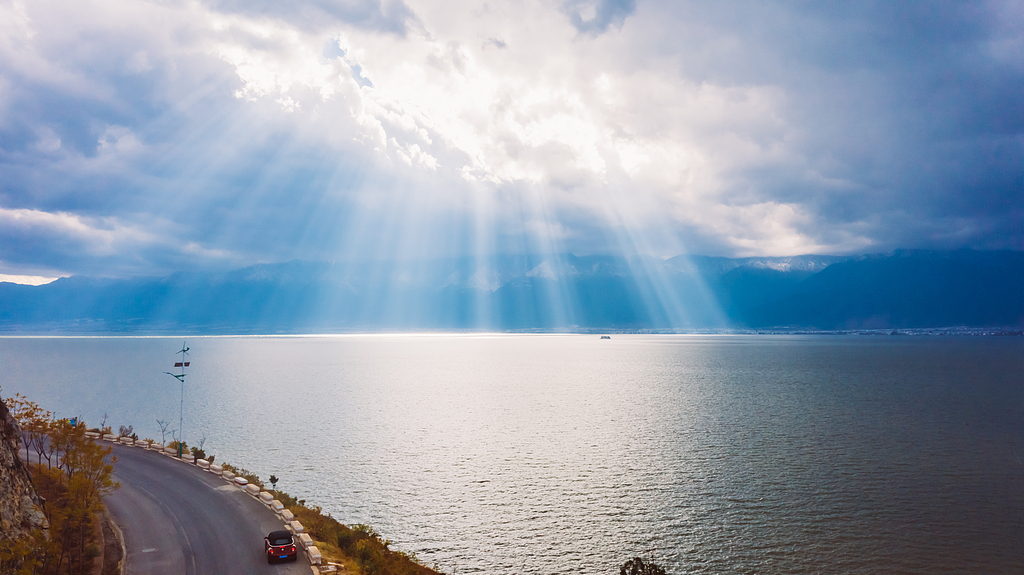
(21, 510)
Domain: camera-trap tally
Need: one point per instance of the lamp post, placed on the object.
(181, 405)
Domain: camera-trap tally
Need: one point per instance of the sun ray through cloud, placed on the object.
(215, 135)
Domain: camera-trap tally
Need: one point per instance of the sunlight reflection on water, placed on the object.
(569, 454)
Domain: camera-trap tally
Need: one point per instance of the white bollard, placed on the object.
(287, 515)
(228, 475)
(277, 506)
(203, 463)
(241, 481)
(296, 527)
(305, 540)
(252, 489)
(216, 469)
(314, 555)
(266, 498)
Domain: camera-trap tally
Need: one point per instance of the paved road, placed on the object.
(179, 519)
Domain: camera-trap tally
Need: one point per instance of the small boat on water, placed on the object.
(606, 337)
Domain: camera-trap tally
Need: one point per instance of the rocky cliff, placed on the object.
(21, 510)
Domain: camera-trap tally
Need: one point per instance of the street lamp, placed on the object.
(181, 406)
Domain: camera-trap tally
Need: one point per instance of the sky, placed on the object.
(144, 137)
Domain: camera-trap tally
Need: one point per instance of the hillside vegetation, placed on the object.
(72, 474)
(359, 547)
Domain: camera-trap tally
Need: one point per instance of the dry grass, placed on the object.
(359, 549)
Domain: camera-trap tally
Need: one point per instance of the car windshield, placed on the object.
(279, 538)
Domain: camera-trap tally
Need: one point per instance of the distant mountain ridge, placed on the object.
(904, 289)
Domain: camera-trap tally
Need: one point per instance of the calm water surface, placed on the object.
(570, 454)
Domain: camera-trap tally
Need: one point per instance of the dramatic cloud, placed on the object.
(143, 137)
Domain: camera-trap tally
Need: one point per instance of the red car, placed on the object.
(279, 546)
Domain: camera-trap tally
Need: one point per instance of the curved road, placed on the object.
(179, 519)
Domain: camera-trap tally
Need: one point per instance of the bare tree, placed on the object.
(35, 423)
(163, 431)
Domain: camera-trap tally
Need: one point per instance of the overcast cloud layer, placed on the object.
(143, 137)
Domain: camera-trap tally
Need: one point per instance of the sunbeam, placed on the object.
(483, 150)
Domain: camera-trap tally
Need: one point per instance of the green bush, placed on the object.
(369, 557)
(200, 454)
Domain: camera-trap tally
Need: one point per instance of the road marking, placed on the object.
(226, 488)
(150, 550)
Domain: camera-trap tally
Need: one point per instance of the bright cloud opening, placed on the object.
(328, 131)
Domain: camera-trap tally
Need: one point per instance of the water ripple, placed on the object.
(570, 454)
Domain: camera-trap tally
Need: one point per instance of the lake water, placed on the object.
(571, 454)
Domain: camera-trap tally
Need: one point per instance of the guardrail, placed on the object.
(267, 499)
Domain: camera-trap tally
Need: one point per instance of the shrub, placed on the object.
(248, 475)
(359, 544)
(369, 557)
(636, 566)
(349, 538)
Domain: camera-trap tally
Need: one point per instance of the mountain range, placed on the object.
(903, 289)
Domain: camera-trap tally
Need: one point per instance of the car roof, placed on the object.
(279, 534)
